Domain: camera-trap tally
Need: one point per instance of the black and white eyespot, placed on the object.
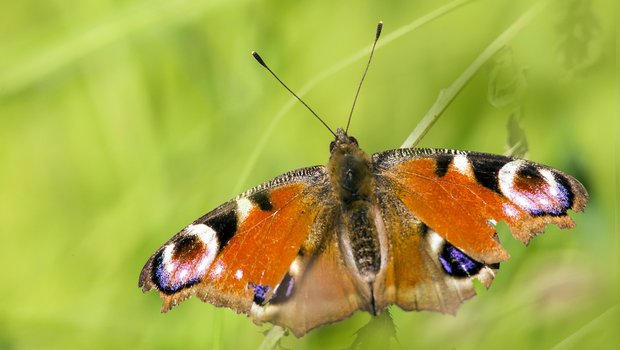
(534, 189)
(284, 290)
(458, 264)
(184, 261)
(454, 262)
(260, 293)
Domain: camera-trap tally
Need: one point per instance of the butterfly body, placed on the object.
(359, 228)
(411, 227)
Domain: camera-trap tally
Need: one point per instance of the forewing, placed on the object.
(237, 254)
(461, 195)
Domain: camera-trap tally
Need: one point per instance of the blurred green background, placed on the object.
(122, 121)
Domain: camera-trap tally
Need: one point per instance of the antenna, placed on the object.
(262, 63)
(359, 87)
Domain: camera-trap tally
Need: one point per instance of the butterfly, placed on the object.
(407, 227)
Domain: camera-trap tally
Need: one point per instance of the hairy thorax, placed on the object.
(351, 177)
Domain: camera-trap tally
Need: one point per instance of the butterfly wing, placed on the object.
(271, 253)
(424, 271)
(320, 289)
(237, 255)
(440, 208)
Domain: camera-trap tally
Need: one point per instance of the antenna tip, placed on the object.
(258, 58)
(379, 28)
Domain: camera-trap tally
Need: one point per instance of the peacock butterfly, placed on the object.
(410, 227)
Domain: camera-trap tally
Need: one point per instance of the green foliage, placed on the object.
(122, 121)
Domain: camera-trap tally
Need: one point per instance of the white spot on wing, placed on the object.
(462, 165)
(244, 206)
(238, 274)
(218, 269)
(204, 232)
(196, 229)
(295, 268)
(544, 202)
(167, 257)
(435, 241)
(206, 261)
(553, 185)
(506, 177)
(510, 210)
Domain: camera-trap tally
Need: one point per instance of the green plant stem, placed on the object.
(360, 54)
(446, 96)
(272, 337)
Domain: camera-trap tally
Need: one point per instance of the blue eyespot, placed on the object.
(170, 283)
(456, 263)
(284, 290)
(260, 292)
